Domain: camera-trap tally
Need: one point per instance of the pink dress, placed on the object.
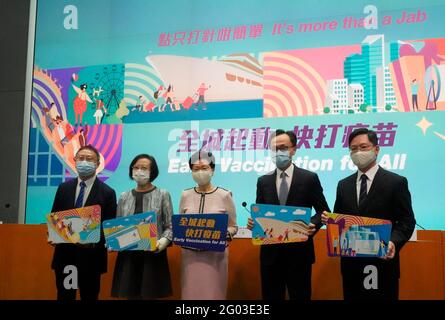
(80, 106)
(204, 273)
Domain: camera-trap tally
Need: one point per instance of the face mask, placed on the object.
(85, 168)
(281, 158)
(362, 159)
(202, 177)
(141, 176)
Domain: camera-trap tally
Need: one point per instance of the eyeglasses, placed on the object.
(280, 148)
(141, 168)
(362, 147)
(85, 158)
(195, 169)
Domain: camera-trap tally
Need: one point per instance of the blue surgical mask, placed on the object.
(281, 158)
(85, 168)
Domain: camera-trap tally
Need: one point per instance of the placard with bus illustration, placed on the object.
(355, 236)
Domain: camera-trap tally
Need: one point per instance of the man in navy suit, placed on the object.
(377, 193)
(90, 260)
(289, 265)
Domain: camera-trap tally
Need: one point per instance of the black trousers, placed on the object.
(276, 278)
(88, 283)
(354, 278)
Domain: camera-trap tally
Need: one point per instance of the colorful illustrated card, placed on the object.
(81, 225)
(354, 236)
(135, 232)
(279, 224)
(200, 231)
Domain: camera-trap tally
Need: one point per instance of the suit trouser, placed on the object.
(357, 284)
(88, 283)
(275, 278)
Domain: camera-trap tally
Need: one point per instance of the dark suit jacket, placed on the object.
(94, 259)
(305, 191)
(388, 198)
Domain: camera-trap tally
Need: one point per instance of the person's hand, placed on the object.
(391, 251)
(52, 244)
(324, 217)
(161, 244)
(311, 230)
(229, 238)
(250, 223)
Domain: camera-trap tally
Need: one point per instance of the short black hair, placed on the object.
(91, 148)
(290, 134)
(372, 136)
(202, 155)
(154, 170)
(83, 86)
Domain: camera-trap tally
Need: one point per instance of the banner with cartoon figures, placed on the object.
(279, 224)
(130, 77)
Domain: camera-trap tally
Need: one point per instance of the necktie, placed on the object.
(363, 189)
(284, 189)
(79, 200)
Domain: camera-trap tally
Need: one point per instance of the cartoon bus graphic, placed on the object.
(359, 240)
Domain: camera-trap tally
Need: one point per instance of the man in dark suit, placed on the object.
(377, 193)
(289, 265)
(90, 260)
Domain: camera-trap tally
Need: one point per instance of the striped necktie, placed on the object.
(79, 200)
(363, 189)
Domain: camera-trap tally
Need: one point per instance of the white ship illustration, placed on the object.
(295, 229)
(232, 78)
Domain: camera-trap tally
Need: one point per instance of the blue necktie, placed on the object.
(79, 200)
(284, 189)
(363, 189)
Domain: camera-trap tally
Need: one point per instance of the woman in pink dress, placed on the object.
(80, 102)
(204, 273)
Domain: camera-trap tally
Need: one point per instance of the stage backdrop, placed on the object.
(169, 78)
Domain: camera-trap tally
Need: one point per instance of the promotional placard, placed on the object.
(279, 224)
(354, 236)
(135, 232)
(80, 225)
(200, 231)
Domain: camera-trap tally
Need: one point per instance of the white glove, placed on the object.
(161, 244)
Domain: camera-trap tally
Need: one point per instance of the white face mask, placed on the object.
(141, 176)
(362, 159)
(202, 177)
